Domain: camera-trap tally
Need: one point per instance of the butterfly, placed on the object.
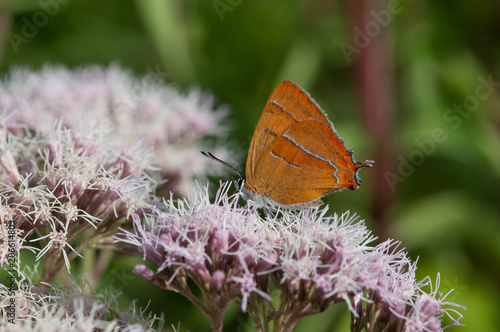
(295, 157)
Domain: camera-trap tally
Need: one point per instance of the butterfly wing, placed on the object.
(296, 156)
(287, 105)
(304, 164)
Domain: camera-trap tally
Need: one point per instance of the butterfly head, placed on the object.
(239, 183)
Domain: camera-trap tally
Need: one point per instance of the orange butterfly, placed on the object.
(296, 157)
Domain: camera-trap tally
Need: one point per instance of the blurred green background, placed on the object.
(404, 82)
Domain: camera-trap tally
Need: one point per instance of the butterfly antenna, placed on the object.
(211, 156)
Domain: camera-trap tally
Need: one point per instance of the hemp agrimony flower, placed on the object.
(313, 261)
(68, 306)
(133, 109)
(67, 190)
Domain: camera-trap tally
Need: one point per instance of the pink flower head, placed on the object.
(171, 122)
(313, 260)
(62, 191)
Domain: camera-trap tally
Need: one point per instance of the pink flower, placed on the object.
(171, 122)
(68, 306)
(314, 261)
(66, 186)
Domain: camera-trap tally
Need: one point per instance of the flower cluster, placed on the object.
(70, 306)
(172, 123)
(314, 261)
(67, 190)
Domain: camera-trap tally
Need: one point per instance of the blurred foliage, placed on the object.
(446, 211)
